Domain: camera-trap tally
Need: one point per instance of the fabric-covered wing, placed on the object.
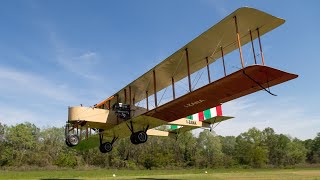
(230, 87)
(208, 44)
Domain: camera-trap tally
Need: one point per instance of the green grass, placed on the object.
(165, 174)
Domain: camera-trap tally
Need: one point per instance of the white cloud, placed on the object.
(79, 62)
(21, 84)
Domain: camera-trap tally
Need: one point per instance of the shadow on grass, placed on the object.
(156, 179)
(58, 179)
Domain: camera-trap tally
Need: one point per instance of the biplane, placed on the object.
(121, 116)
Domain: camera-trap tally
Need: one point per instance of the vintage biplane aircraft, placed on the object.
(121, 116)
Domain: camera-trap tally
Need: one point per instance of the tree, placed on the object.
(21, 140)
(209, 150)
(296, 152)
(250, 150)
(316, 149)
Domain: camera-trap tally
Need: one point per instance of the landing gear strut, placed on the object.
(138, 137)
(107, 146)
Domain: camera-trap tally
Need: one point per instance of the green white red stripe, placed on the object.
(207, 114)
(203, 115)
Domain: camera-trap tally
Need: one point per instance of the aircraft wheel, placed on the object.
(141, 136)
(73, 140)
(67, 143)
(133, 139)
(105, 147)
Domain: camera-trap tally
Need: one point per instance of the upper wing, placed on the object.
(207, 45)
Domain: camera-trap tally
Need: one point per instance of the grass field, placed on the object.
(165, 174)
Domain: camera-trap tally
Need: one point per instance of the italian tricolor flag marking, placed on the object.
(207, 114)
(203, 115)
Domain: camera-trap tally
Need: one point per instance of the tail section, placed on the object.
(207, 114)
(201, 119)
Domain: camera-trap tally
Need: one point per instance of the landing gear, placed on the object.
(72, 140)
(107, 146)
(139, 137)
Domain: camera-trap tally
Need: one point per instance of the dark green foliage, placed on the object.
(27, 145)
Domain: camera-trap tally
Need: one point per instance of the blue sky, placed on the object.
(55, 54)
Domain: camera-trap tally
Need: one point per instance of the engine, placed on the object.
(122, 110)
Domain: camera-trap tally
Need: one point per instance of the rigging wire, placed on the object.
(197, 81)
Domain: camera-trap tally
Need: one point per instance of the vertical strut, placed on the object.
(130, 95)
(147, 99)
(188, 66)
(109, 104)
(208, 69)
(252, 45)
(155, 88)
(238, 39)
(261, 53)
(80, 133)
(86, 132)
(224, 66)
(125, 96)
(173, 90)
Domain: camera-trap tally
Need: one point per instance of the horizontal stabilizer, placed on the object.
(217, 119)
(155, 132)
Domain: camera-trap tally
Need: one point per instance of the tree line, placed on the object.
(27, 145)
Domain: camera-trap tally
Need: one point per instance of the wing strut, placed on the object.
(224, 66)
(173, 90)
(252, 45)
(188, 67)
(208, 70)
(155, 89)
(238, 39)
(262, 57)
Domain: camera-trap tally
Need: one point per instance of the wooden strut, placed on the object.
(262, 57)
(208, 69)
(155, 88)
(252, 45)
(117, 103)
(224, 66)
(238, 40)
(188, 66)
(147, 100)
(87, 133)
(173, 90)
(129, 95)
(125, 96)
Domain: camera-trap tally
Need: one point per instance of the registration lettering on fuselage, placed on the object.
(188, 121)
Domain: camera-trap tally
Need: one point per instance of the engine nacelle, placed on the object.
(122, 110)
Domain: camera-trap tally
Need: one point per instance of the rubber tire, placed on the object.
(105, 147)
(133, 138)
(67, 143)
(141, 137)
(73, 139)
